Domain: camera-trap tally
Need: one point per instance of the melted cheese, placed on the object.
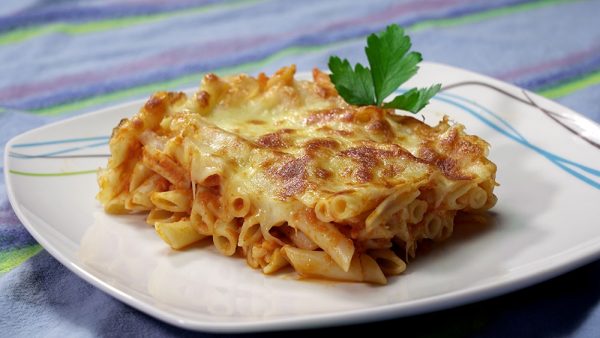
(300, 155)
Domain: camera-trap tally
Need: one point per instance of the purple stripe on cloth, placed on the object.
(15, 238)
(568, 60)
(182, 56)
(69, 13)
(7, 215)
(206, 57)
(561, 74)
(12, 234)
(171, 58)
(211, 50)
(395, 11)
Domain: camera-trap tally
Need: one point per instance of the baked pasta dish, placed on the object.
(285, 173)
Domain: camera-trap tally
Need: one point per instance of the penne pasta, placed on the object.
(416, 210)
(300, 240)
(276, 263)
(159, 215)
(140, 198)
(456, 198)
(391, 205)
(225, 237)
(206, 170)
(475, 198)
(286, 173)
(327, 237)
(139, 175)
(177, 234)
(163, 165)
(319, 264)
(388, 261)
(322, 211)
(239, 205)
(342, 207)
(433, 225)
(250, 232)
(371, 271)
(173, 200)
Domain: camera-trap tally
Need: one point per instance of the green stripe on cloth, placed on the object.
(22, 34)
(179, 82)
(247, 67)
(481, 16)
(567, 88)
(67, 173)
(11, 259)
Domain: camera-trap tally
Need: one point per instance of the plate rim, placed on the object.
(590, 252)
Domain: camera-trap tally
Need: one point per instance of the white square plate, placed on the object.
(546, 221)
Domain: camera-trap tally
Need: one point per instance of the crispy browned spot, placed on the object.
(284, 76)
(156, 107)
(468, 145)
(324, 87)
(276, 139)
(392, 170)
(271, 140)
(449, 142)
(203, 99)
(365, 152)
(368, 113)
(256, 122)
(156, 104)
(293, 175)
(263, 79)
(363, 174)
(327, 115)
(137, 123)
(211, 77)
(368, 158)
(322, 173)
(329, 130)
(447, 165)
(311, 146)
(380, 127)
(416, 126)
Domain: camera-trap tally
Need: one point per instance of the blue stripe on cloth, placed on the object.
(12, 233)
(65, 12)
(14, 236)
(34, 295)
(193, 57)
(584, 101)
(561, 74)
(501, 44)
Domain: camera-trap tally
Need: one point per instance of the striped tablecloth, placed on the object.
(63, 58)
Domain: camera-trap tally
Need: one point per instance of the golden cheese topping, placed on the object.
(303, 163)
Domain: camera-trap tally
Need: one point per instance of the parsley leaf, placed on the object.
(391, 65)
(355, 86)
(414, 99)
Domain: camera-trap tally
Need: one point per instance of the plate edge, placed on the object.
(386, 312)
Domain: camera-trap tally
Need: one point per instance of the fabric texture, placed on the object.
(64, 58)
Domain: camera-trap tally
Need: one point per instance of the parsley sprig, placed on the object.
(391, 65)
